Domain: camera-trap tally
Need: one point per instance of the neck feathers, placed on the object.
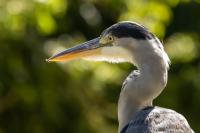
(140, 90)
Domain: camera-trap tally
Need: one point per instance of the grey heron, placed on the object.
(131, 42)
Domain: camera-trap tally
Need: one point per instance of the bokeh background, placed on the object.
(81, 96)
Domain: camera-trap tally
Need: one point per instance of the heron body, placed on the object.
(157, 120)
(133, 43)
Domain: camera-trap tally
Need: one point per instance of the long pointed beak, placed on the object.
(82, 50)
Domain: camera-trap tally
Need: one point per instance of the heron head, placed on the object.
(117, 43)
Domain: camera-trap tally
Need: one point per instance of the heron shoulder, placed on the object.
(156, 120)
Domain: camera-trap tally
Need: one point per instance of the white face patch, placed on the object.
(112, 54)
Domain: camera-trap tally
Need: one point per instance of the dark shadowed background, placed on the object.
(81, 96)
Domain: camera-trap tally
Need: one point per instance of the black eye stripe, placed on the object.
(127, 29)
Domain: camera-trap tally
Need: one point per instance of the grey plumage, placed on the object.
(131, 76)
(155, 119)
(158, 120)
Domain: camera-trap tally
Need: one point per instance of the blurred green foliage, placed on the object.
(81, 96)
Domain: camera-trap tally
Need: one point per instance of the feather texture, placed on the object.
(158, 120)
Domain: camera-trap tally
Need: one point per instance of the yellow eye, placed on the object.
(110, 38)
(106, 39)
